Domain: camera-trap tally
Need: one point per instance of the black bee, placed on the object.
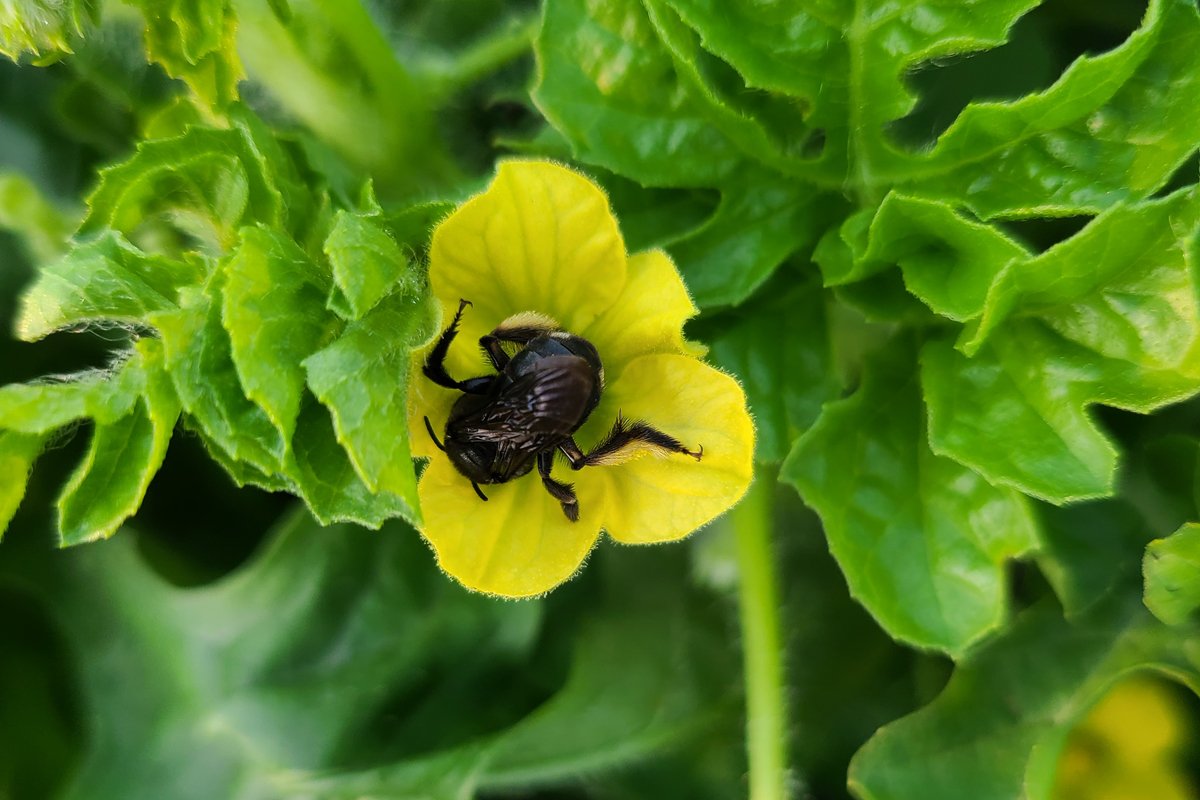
(542, 393)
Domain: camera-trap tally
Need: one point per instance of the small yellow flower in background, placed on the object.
(542, 239)
(1128, 748)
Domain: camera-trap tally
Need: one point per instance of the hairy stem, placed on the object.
(766, 722)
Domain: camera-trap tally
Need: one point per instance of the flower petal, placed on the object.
(648, 316)
(654, 499)
(518, 543)
(540, 238)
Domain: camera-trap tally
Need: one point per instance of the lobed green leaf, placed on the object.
(104, 280)
(367, 264)
(362, 378)
(196, 41)
(605, 82)
(921, 539)
(45, 29)
(1172, 570)
(18, 451)
(1000, 724)
(327, 481)
(109, 484)
(1113, 128)
(205, 184)
(273, 309)
(199, 357)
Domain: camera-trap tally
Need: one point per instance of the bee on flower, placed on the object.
(563, 384)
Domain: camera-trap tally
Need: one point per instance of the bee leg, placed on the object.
(564, 493)
(623, 442)
(479, 491)
(435, 363)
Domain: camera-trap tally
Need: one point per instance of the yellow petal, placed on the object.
(657, 499)
(647, 317)
(426, 399)
(518, 543)
(540, 238)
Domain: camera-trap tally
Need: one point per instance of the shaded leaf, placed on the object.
(779, 348)
(757, 225)
(1089, 551)
(327, 481)
(109, 484)
(25, 212)
(1000, 724)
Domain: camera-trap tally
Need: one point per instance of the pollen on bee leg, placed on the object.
(528, 320)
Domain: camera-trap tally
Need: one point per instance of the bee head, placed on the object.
(474, 460)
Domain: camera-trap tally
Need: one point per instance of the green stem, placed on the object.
(766, 721)
(352, 92)
(507, 43)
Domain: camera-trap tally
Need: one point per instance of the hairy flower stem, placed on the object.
(766, 723)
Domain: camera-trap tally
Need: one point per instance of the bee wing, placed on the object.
(541, 406)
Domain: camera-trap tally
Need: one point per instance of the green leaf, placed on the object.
(273, 308)
(758, 223)
(18, 451)
(24, 211)
(1172, 569)
(367, 265)
(196, 41)
(42, 408)
(1000, 724)
(363, 380)
(246, 687)
(949, 261)
(922, 539)
(205, 184)
(110, 482)
(1115, 127)
(1125, 287)
(778, 345)
(1016, 413)
(106, 279)
(1089, 551)
(43, 28)
(769, 128)
(607, 84)
(199, 359)
(844, 62)
(328, 483)
(647, 673)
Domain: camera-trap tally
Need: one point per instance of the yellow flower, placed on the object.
(542, 239)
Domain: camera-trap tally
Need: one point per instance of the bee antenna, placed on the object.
(432, 435)
(479, 491)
